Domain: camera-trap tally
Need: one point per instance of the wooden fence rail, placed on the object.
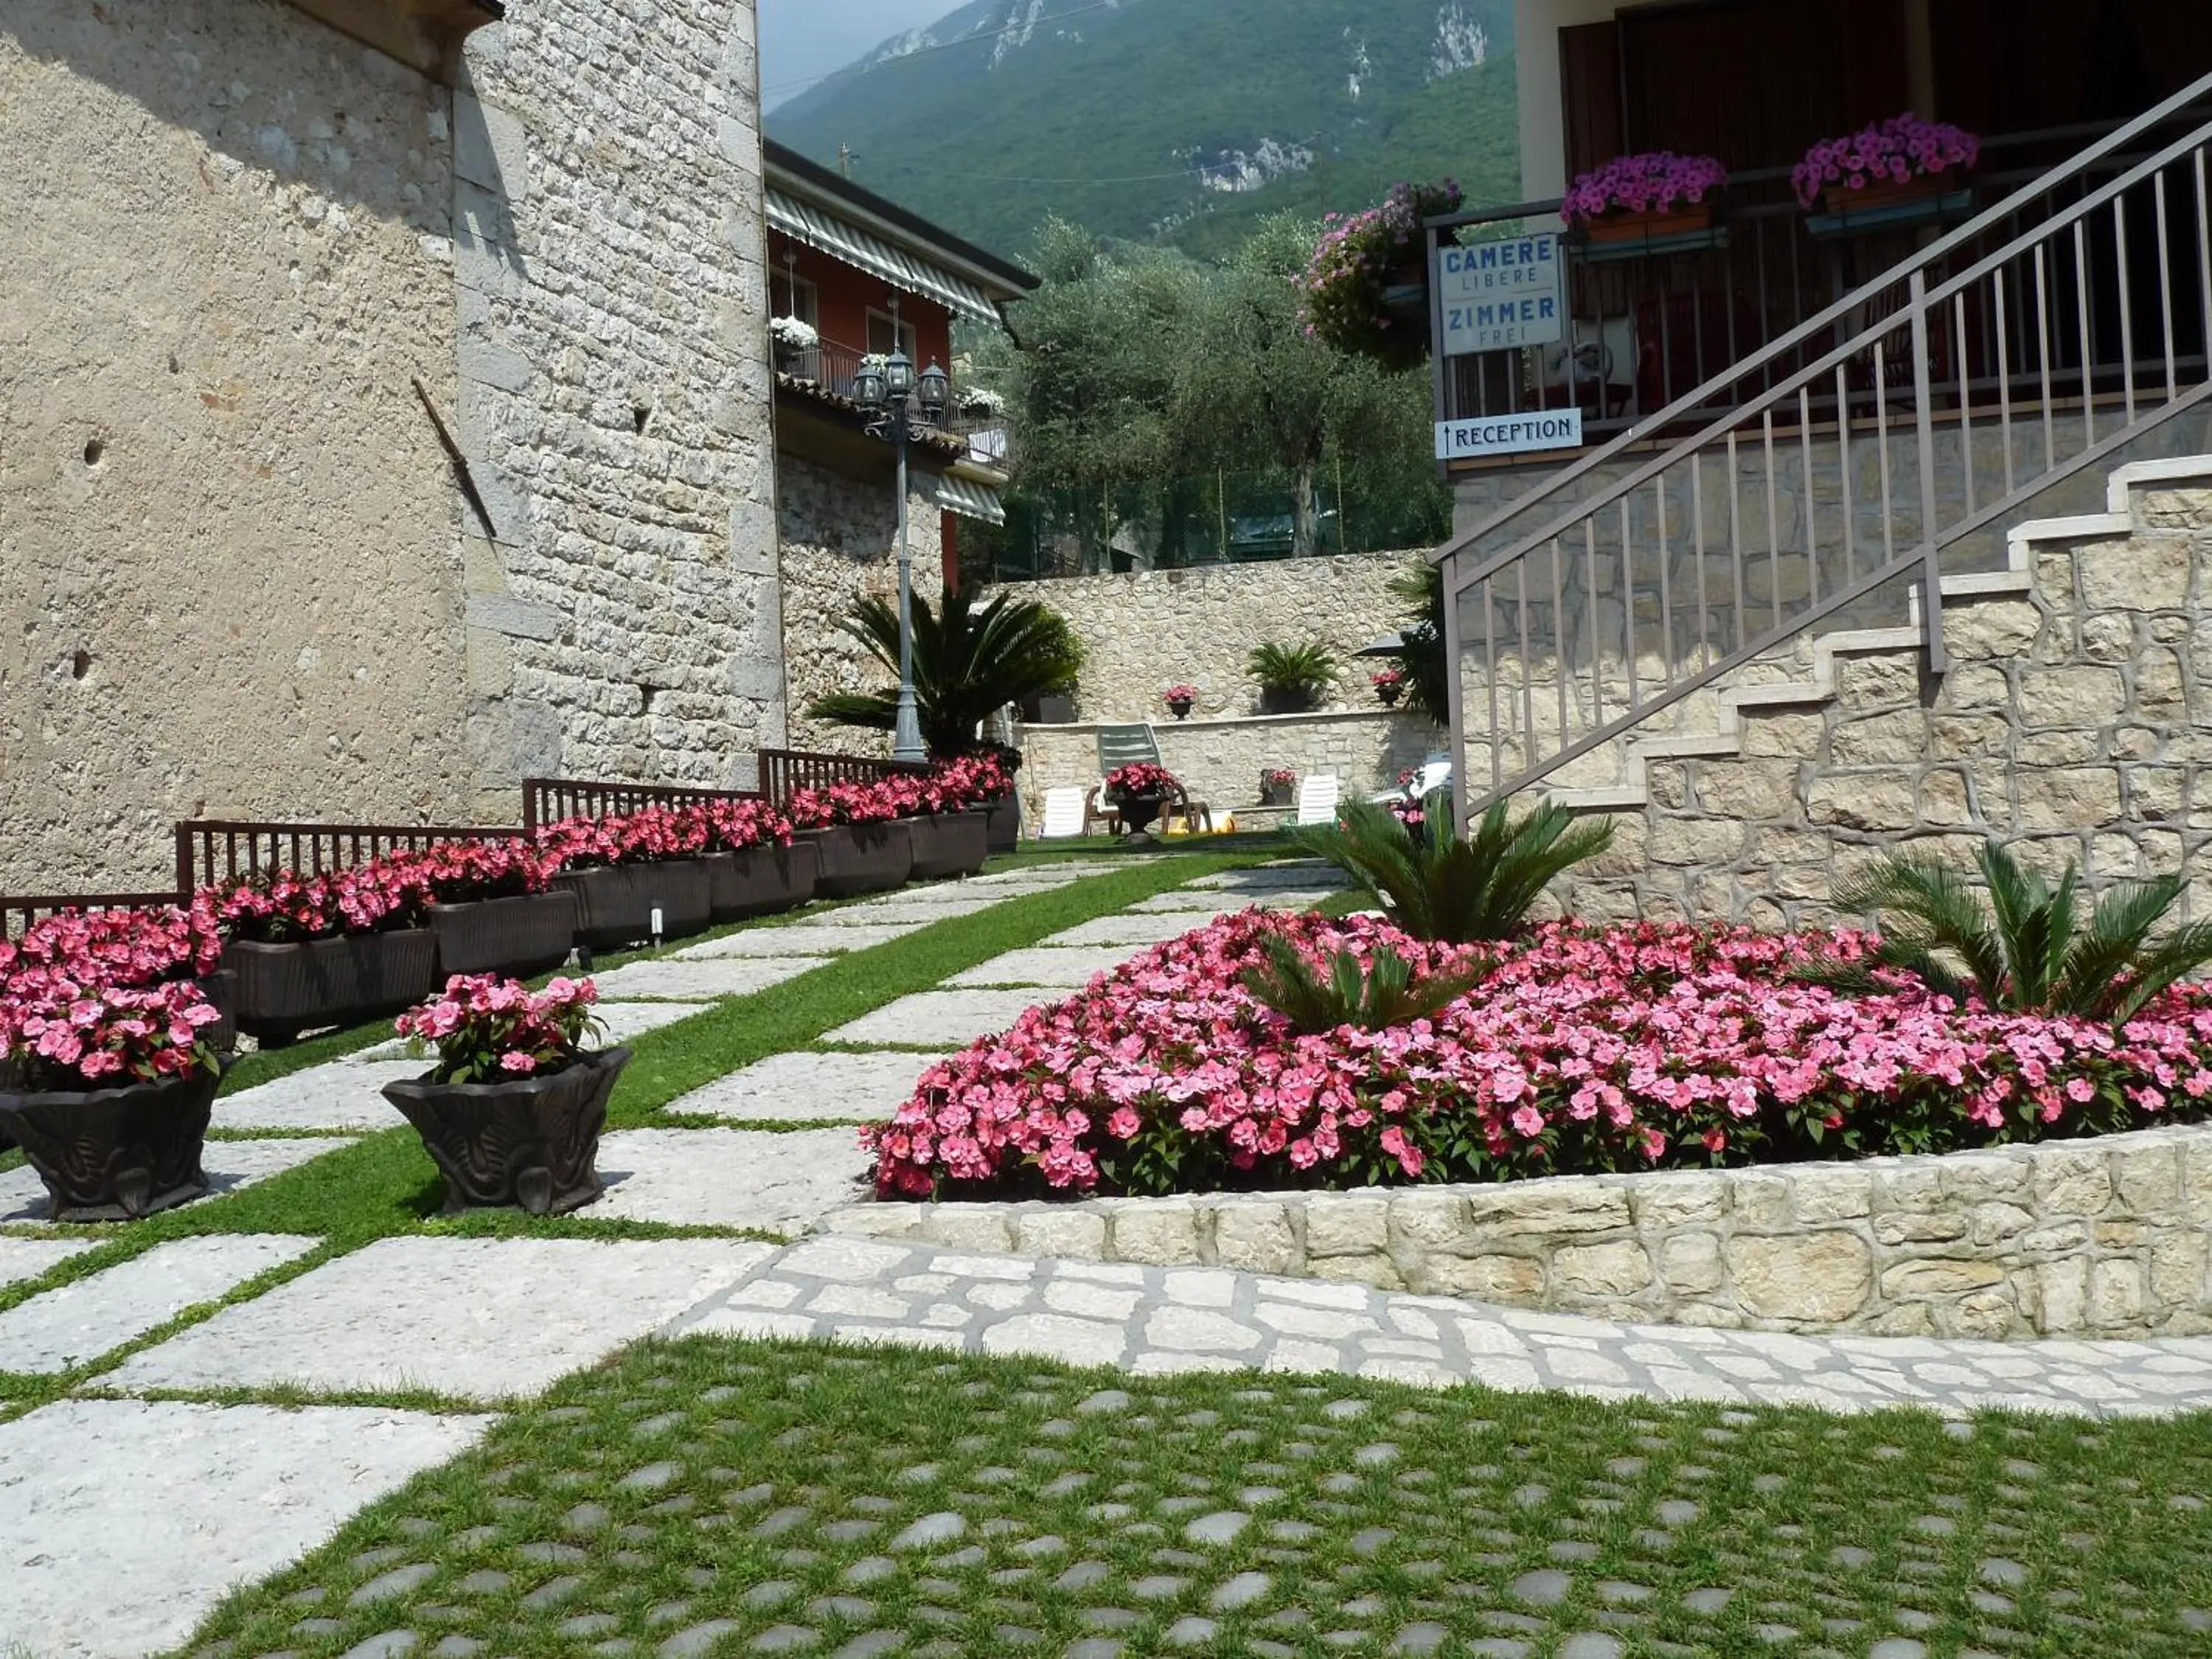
(549, 800)
(18, 913)
(783, 771)
(211, 851)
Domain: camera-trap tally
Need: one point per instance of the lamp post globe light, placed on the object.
(894, 396)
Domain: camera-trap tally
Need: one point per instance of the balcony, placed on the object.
(1649, 324)
(824, 372)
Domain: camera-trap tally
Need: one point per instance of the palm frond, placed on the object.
(1374, 998)
(2180, 954)
(2109, 954)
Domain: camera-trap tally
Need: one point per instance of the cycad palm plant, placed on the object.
(1441, 887)
(969, 663)
(2024, 948)
(1375, 997)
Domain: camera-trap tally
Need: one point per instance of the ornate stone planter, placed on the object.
(113, 1154)
(286, 989)
(862, 857)
(616, 902)
(761, 880)
(950, 844)
(532, 1142)
(522, 935)
(1005, 833)
(1139, 812)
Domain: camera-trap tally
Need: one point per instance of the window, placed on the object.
(801, 299)
(881, 338)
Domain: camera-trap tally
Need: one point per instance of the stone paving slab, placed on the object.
(1289, 872)
(1155, 1320)
(480, 1318)
(936, 1018)
(799, 1088)
(812, 938)
(343, 1093)
(122, 1523)
(81, 1321)
(230, 1164)
(1127, 929)
(772, 1181)
(907, 912)
(1183, 902)
(1051, 966)
(34, 1258)
(695, 980)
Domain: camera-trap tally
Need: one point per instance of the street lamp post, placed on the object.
(894, 395)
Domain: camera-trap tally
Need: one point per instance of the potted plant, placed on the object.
(1635, 197)
(494, 908)
(1893, 161)
(511, 1113)
(755, 868)
(949, 832)
(328, 950)
(638, 877)
(1364, 288)
(1002, 810)
(1137, 791)
(1179, 699)
(794, 340)
(106, 1088)
(1291, 679)
(1279, 786)
(862, 844)
(1389, 685)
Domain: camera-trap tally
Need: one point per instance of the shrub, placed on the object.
(487, 1029)
(1435, 886)
(2024, 949)
(1579, 1050)
(1304, 671)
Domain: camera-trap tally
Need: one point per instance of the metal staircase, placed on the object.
(1894, 437)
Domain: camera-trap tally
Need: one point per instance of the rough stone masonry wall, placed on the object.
(226, 571)
(2091, 1237)
(1147, 630)
(614, 394)
(2076, 721)
(840, 542)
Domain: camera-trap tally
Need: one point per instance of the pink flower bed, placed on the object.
(1582, 1050)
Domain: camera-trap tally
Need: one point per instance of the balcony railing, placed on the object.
(1649, 324)
(831, 368)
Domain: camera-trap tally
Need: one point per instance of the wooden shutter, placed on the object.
(1589, 94)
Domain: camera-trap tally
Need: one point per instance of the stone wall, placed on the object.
(839, 536)
(2073, 1238)
(1147, 630)
(1219, 760)
(247, 265)
(2076, 721)
(615, 393)
(226, 528)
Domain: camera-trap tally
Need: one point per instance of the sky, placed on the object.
(803, 39)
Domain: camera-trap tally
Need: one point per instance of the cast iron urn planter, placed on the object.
(1140, 811)
(1180, 708)
(531, 1142)
(113, 1154)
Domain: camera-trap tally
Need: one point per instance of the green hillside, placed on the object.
(1117, 115)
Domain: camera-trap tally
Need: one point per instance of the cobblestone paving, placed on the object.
(1159, 1321)
(707, 1498)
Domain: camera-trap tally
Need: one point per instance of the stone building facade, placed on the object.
(373, 432)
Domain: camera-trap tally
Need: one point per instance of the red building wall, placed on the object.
(845, 295)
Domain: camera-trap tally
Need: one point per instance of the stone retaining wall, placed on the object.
(2103, 1237)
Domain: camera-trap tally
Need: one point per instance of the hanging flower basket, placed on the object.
(1364, 289)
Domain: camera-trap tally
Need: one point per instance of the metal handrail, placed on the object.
(1699, 397)
(1928, 359)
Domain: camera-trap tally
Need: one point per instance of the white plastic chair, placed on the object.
(1063, 813)
(1317, 799)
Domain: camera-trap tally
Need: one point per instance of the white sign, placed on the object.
(1509, 434)
(1496, 296)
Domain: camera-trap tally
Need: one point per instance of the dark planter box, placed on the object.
(533, 1141)
(1287, 700)
(950, 844)
(1005, 835)
(115, 1154)
(615, 904)
(221, 987)
(862, 857)
(760, 881)
(522, 935)
(286, 989)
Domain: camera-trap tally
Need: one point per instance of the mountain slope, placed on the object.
(1179, 121)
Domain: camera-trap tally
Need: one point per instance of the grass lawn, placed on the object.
(384, 1183)
(747, 1497)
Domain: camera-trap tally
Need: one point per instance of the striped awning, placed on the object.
(970, 500)
(871, 253)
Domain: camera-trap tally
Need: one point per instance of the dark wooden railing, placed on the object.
(549, 800)
(210, 851)
(18, 914)
(783, 771)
